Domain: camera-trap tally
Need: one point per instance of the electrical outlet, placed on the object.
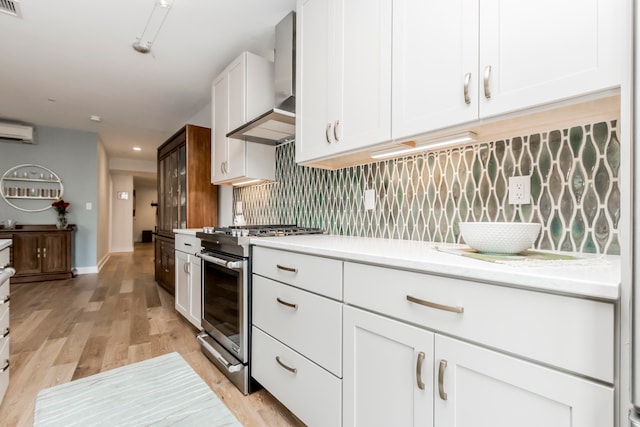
(520, 190)
(369, 200)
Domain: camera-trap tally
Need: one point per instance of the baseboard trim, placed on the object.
(103, 261)
(121, 250)
(87, 270)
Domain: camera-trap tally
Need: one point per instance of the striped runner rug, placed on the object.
(163, 391)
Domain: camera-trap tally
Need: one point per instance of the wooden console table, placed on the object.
(40, 252)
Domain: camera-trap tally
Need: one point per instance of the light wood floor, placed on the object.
(68, 329)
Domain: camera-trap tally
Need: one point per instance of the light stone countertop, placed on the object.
(187, 231)
(594, 276)
(5, 243)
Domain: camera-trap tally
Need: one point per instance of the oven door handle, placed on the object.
(220, 261)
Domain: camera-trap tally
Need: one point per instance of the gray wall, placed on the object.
(73, 156)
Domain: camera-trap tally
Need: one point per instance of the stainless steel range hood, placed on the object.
(278, 124)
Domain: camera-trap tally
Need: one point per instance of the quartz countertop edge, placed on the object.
(187, 231)
(600, 280)
(4, 243)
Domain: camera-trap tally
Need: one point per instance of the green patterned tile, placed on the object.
(574, 179)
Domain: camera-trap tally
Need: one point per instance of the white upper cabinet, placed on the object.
(457, 61)
(375, 71)
(243, 91)
(547, 50)
(435, 63)
(344, 76)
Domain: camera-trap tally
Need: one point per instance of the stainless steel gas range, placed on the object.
(226, 296)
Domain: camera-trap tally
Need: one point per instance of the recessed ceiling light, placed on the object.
(96, 119)
(137, 149)
(51, 99)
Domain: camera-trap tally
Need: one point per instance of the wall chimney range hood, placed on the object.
(278, 125)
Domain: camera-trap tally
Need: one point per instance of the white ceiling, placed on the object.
(79, 53)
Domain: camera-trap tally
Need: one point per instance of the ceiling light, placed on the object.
(137, 149)
(412, 147)
(95, 118)
(158, 15)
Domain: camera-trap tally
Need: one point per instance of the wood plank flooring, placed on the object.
(68, 329)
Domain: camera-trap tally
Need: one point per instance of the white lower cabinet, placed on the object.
(388, 372)
(481, 388)
(313, 394)
(188, 279)
(401, 375)
(4, 324)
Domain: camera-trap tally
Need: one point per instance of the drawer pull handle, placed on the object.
(5, 299)
(187, 244)
(288, 304)
(6, 366)
(282, 267)
(288, 368)
(441, 392)
(452, 309)
(467, 80)
(487, 74)
(419, 370)
(6, 333)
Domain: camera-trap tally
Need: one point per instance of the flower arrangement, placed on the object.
(61, 207)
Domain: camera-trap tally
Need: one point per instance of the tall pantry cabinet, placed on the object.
(186, 197)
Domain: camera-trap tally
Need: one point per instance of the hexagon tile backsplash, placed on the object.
(575, 191)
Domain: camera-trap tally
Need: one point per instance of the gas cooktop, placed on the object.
(236, 239)
(262, 230)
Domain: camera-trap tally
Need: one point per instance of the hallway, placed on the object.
(68, 329)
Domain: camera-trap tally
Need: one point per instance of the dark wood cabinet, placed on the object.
(40, 252)
(186, 197)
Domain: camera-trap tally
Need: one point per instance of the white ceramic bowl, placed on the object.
(499, 237)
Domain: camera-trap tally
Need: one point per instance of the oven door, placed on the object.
(225, 305)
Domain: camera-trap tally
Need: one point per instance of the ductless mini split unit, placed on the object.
(16, 133)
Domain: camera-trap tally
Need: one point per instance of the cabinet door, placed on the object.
(236, 87)
(388, 372)
(27, 255)
(313, 69)
(363, 94)
(219, 99)
(344, 75)
(485, 388)
(182, 283)
(195, 291)
(547, 50)
(182, 186)
(54, 252)
(435, 62)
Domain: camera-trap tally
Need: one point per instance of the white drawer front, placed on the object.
(187, 243)
(4, 294)
(4, 327)
(313, 327)
(319, 275)
(312, 393)
(4, 257)
(4, 375)
(571, 333)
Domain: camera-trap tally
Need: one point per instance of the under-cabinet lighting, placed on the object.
(446, 141)
(249, 181)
